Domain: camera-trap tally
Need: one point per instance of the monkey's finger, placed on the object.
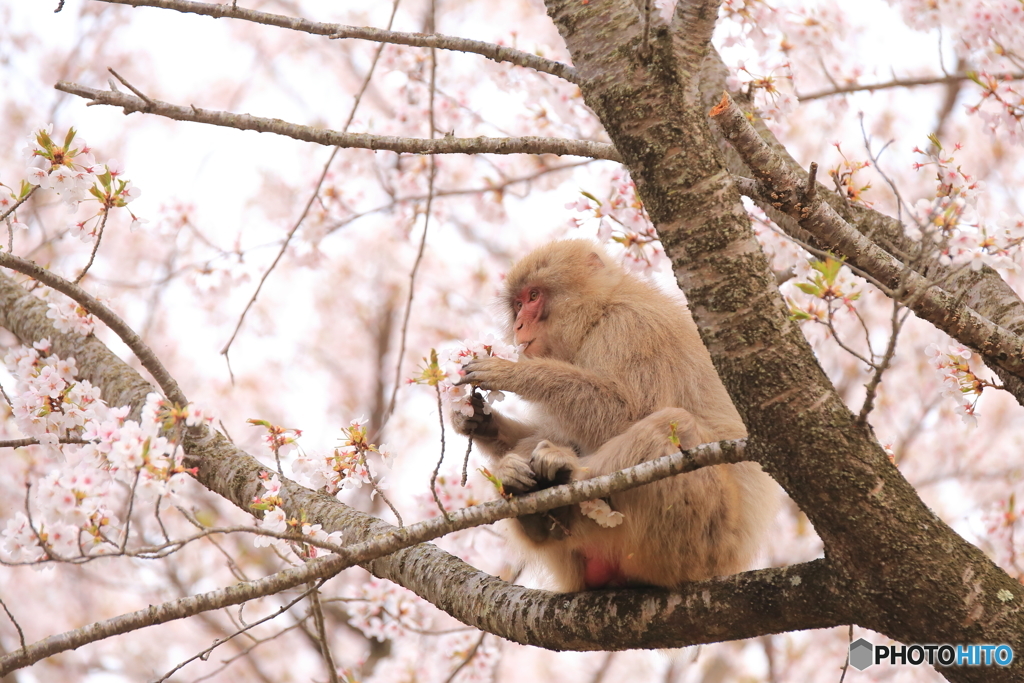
(478, 378)
(553, 463)
(516, 474)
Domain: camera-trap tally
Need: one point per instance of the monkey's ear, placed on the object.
(594, 260)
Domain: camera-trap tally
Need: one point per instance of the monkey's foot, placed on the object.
(515, 474)
(553, 465)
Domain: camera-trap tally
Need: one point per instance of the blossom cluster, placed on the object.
(383, 610)
(275, 520)
(69, 169)
(952, 363)
(75, 503)
(950, 219)
(622, 219)
(69, 316)
(601, 512)
(443, 369)
(49, 402)
(452, 494)
(773, 91)
(1001, 106)
(988, 36)
(347, 467)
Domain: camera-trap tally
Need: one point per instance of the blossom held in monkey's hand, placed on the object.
(459, 397)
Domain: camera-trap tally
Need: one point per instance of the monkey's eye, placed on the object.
(534, 294)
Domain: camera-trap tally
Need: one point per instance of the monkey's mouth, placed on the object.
(526, 345)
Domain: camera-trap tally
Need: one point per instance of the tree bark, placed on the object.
(909, 575)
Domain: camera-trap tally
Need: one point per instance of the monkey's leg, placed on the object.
(685, 528)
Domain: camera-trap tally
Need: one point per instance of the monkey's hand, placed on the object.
(553, 465)
(490, 374)
(515, 474)
(477, 424)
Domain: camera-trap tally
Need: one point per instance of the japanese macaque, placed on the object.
(608, 364)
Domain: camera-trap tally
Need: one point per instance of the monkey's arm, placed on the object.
(578, 398)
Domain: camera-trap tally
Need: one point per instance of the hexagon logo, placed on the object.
(862, 654)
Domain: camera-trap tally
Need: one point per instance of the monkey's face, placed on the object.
(529, 326)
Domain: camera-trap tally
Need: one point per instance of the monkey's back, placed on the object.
(648, 341)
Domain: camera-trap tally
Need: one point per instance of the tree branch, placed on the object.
(904, 565)
(332, 138)
(497, 53)
(134, 342)
(693, 22)
(982, 290)
(784, 190)
(704, 612)
(903, 83)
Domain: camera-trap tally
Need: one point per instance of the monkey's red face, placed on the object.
(530, 327)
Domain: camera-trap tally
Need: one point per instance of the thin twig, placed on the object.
(32, 441)
(95, 247)
(220, 641)
(497, 53)
(828, 323)
(131, 506)
(129, 86)
(419, 254)
(529, 144)
(313, 196)
(440, 459)
(644, 51)
(465, 461)
(602, 671)
(321, 632)
(469, 656)
(377, 490)
(244, 652)
(18, 203)
(890, 351)
(812, 185)
(901, 83)
(846, 666)
(21, 634)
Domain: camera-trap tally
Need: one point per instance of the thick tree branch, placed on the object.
(90, 303)
(693, 22)
(497, 53)
(906, 568)
(333, 138)
(384, 544)
(784, 190)
(982, 290)
(703, 612)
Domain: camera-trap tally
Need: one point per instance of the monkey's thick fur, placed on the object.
(610, 363)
